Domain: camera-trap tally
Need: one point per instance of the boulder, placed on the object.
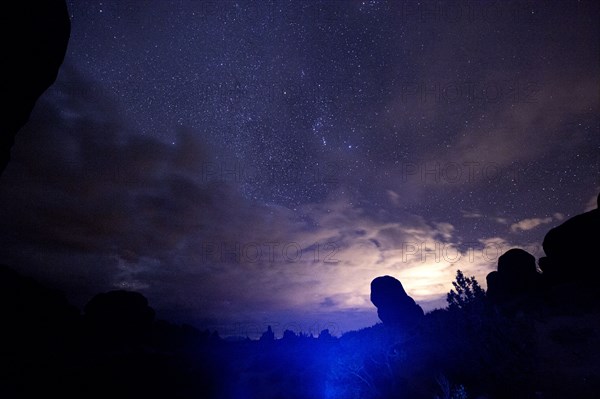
(571, 249)
(516, 279)
(394, 306)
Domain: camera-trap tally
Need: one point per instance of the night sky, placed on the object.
(252, 163)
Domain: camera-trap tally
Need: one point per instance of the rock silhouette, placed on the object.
(516, 278)
(394, 306)
(37, 338)
(121, 317)
(571, 250)
(32, 314)
(31, 57)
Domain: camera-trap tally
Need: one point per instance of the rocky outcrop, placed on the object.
(516, 279)
(33, 315)
(394, 306)
(571, 250)
(34, 46)
(119, 317)
(569, 269)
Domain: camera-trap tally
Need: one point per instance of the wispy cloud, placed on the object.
(592, 203)
(528, 224)
(532, 223)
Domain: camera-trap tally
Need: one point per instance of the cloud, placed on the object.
(446, 230)
(558, 216)
(528, 224)
(592, 203)
(472, 214)
(532, 223)
(479, 215)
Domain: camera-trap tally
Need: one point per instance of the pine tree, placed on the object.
(467, 293)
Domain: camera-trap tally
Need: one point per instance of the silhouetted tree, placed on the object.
(466, 294)
(267, 336)
(487, 347)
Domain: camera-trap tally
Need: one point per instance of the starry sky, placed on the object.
(252, 163)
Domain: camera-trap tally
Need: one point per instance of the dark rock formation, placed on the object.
(569, 271)
(572, 250)
(119, 317)
(516, 279)
(31, 313)
(37, 339)
(34, 46)
(394, 306)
